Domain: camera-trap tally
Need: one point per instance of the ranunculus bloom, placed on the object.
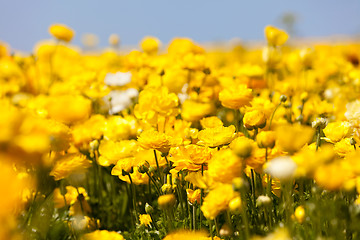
(235, 97)
(61, 32)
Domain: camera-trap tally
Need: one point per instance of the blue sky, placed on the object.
(23, 23)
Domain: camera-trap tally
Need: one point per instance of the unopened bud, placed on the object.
(283, 98)
(225, 231)
(263, 201)
(149, 209)
(319, 123)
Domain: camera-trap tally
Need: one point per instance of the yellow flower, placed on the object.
(242, 146)
(291, 138)
(236, 96)
(166, 201)
(69, 108)
(121, 165)
(186, 235)
(61, 32)
(330, 176)
(151, 139)
(111, 152)
(194, 111)
(336, 131)
(117, 128)
(150, 45)
(275, 36)
(300, 214)
(218, 200)
(211, 122)
(91, 129)
(191, 156)
(224, 166)
(136, 177)
(235, 205)
(174, 79)
(308, 159)
(71, 196)
(145, 219)
(266, 139)
(103, 235)
(214, 137)
(254, 119)
(69, 164)
(154, 102)
(343, 147)
(193, 196)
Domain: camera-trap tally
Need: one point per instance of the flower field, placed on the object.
(180, 141)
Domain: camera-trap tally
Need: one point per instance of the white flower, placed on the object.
(117, 79)
(282, 168)
(353, 110)
(120, 100)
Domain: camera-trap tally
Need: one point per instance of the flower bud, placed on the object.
(266, 139)
(283, 98)
(242, 147)
(149, 209)
(225, 231)
(263, 201)
(319, 123)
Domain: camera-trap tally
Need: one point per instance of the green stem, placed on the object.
(217, 226)
(133, 197)
(158, 168)
(194, 216)
(154, 182)
(318, 138)
(210, 226)
(273, 114)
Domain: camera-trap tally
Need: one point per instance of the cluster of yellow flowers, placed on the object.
(204, 129)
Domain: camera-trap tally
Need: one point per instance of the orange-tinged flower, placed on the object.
(193, 195)
(214, 137)
(61, 32)
(236, 97)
